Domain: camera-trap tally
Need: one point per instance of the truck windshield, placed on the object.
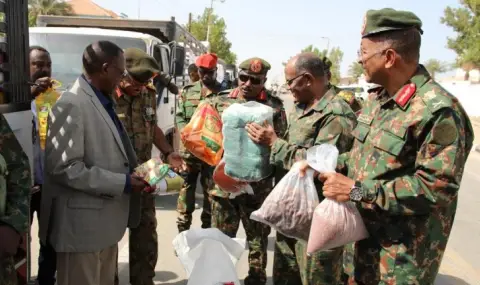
(66, 52)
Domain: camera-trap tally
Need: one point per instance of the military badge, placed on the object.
(405, 94)
(347, 96)
(256, 66)
(149, 111)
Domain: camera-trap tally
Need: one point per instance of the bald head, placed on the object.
(98, 54)
(308, 62)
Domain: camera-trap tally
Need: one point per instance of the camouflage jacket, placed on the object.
(330, 120)
(227, 98)
(409, 154)
(189, 99)
(139, 117)
(349, 97)
(16, 196)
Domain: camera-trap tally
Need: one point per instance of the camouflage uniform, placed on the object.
(227, 213)
(190, 98)
(138, 116)
(331, 121)
(15, 194)
(349, 97)
(409, 154)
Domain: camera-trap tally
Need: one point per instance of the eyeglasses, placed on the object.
(253, 80)
(360, 55)
(289, 82)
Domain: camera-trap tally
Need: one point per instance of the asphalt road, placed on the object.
(460, 266)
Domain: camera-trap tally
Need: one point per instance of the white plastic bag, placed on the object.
(209, 256)
(334, 224)
(289, 207)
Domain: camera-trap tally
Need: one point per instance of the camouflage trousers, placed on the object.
(186, 197)
(292, 266)
(226, 216)
(8, 274)
(143, 246)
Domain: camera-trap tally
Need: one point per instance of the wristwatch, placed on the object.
(356, 194)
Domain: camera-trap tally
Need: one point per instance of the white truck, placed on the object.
(66, 38)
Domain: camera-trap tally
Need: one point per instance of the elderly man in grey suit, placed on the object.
(88, 166)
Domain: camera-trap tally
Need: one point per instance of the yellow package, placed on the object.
(43, 104)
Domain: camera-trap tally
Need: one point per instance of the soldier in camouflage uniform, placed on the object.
(15, 185)
(227, 213)
(320, 116)
(136, 108)
(348, 96)
(192, 95)
(404, 169)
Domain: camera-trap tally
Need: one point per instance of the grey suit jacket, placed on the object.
(84, 207)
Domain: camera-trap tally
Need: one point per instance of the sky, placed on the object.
(278, 29)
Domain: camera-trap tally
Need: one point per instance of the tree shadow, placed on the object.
(443, 279)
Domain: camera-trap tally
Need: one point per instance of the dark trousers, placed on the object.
(47, 260)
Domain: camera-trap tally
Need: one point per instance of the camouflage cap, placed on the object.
(388, 19)
(140, 65)
(255, 66)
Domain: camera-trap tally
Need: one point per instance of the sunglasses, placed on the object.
(253, 80)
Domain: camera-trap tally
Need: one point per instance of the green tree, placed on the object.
(47, 7)
(335, 55)
(219, 43)
(434, 66)
(355, 70)
(465, 21)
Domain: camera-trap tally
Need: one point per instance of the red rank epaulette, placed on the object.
(405, 94)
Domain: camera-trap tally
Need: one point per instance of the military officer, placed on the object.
(346, 95)
(404, 170)
(320, 116)
(15, 185)
(190, 98)
(227, 213)
(135, 100)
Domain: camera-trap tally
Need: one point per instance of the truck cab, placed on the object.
(67, 63)
(166, 41)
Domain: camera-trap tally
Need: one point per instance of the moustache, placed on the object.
(39, 75)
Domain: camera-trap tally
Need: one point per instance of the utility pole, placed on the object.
(328, 42)
(209, 18)
(138, 9)
(189, 22)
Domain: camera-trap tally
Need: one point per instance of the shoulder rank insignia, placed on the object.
(347, 96)
(405, 94)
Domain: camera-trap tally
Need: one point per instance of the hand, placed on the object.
(40, 86)
(138, 184)
(176, 161)
(261, 134)
(10, 241)
(303, 167)
(336, 186)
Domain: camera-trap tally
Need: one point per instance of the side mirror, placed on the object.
(179, 60)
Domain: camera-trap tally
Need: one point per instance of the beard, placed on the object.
(40, 74)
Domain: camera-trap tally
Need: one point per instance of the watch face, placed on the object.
(356, 194)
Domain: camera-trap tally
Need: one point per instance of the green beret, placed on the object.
(255, 66)
(140, 65)
(388, 19)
